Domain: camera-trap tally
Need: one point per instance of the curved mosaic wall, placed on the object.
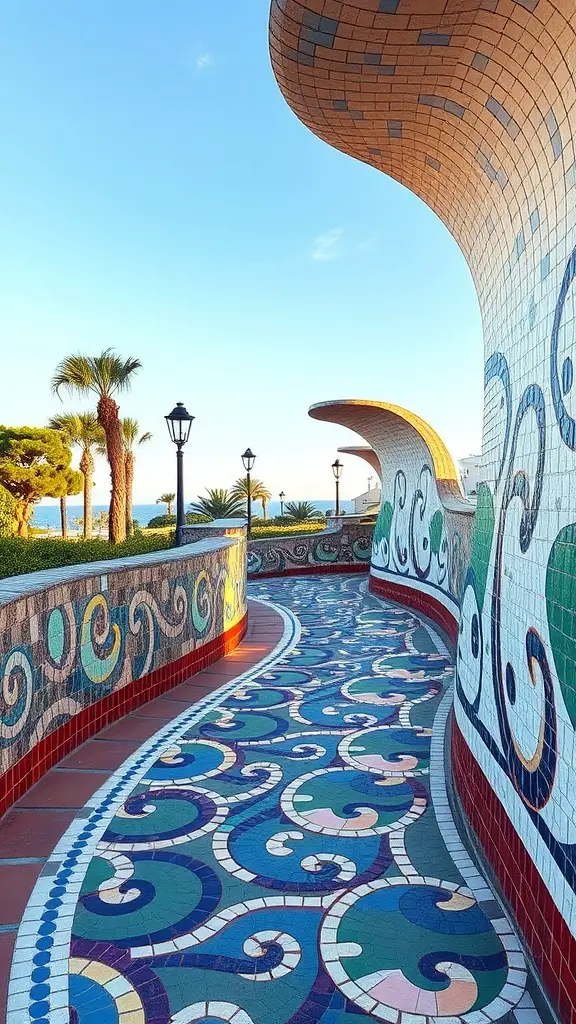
(473, 107)
(82, 646)
(343, 548)
(421, 541)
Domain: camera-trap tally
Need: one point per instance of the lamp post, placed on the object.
(281, 496)
(179, 422)
(337, 468)
(248, 460)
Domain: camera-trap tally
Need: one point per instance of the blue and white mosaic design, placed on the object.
(282, 852)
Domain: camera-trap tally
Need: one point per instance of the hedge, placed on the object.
(297, 529)
(19, 556)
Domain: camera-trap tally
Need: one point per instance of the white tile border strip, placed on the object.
(525, 1012)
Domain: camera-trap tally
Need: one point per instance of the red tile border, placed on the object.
(418, 600)
(308, 570)
(57, 744)
(547, 936)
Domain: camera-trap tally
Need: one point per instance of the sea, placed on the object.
(48, 516)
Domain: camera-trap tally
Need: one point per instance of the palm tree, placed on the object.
(301, 511)
(258, 491)
(104, 375)
(166, 499)
(219, 504)
(82, 431)
(130, 430)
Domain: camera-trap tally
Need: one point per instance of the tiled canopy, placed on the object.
(466, 102)
(363, 452)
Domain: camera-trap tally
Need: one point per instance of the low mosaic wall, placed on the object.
(343, 547)
(83, 645)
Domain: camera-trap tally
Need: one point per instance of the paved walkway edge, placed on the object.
(67, 865)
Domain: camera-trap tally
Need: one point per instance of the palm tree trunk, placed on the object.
(264, 508)
(63, 517)
(109, 420)
(87, 470)
(169, 503)
(129, 472)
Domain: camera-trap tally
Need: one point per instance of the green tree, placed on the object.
(7, 513)
(35, 464)
(101, 522)
(257, 490)
(130, 432)
(167, 499)
(104, 376)
(218, 504)
(82, 430)
(300, 511)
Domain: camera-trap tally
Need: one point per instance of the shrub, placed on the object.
(295, 530)
(157, 521)
(18, 555)
(192, 519)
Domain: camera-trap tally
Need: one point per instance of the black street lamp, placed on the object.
(281, 496)
(248, 460)
(179, 422)
(337, 468)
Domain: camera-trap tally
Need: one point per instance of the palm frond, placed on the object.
(103, 374)
(218, 504)
(258, 490)
(130, 431)
(79, 428)
(75, 373)
(301, 511)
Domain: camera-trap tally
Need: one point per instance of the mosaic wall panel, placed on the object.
(473, 107)
(422, 535)
(65, 647)
(340, 547)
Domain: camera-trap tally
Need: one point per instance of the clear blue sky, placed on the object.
(157, 195)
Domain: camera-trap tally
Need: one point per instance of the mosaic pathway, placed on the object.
(282, 852)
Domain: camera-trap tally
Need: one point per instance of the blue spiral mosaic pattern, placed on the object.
(285, 853)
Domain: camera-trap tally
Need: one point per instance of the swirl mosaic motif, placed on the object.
(515, 683)
(421, 539)
(275, 855)
(347, 544)
(60, 660)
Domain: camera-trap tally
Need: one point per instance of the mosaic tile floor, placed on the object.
(282, 852)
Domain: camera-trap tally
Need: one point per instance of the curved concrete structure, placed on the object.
(366, 453)
(421, 542)
(383, 424)
(472, 105)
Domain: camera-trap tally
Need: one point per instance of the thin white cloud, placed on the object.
(203, 61)
(327, 247)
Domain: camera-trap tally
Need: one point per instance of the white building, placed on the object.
(369, 501)
(470, 475)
